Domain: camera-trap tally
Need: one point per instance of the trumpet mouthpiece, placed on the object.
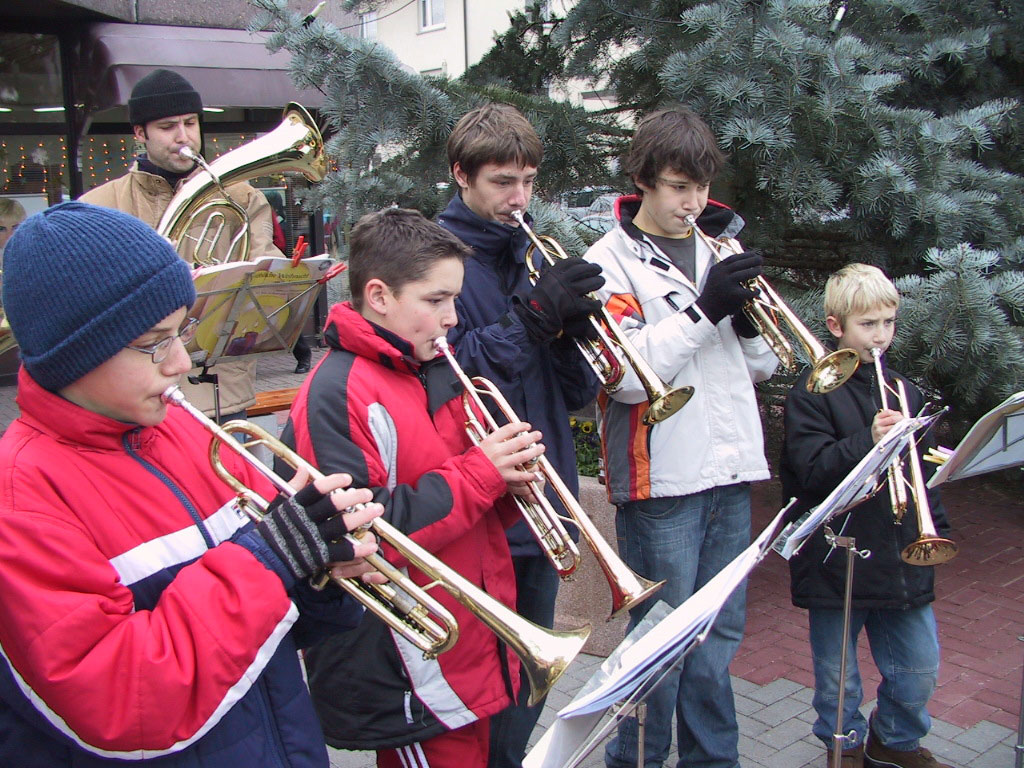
(172, 395)
(187, 153)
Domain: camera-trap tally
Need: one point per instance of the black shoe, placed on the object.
(302, 367)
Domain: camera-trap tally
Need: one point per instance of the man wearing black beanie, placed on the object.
(164, 112)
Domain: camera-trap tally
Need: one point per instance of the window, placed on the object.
(368, 25)
(431, 14)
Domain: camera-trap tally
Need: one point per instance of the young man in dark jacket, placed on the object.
(826, 436)
(143, 617)
(521, 337)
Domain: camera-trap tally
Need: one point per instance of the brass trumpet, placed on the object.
(611, 351)
(402, 604)
(628, 588)
(928, 548)
(897, 486)
(767, 311)
(294, 145)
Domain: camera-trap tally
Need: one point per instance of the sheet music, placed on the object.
(859, 484)
(996, 441)
(640, 657)
(673, 635)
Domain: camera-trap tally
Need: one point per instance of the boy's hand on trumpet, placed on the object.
(306, 532)
(512, 450)
(884, 420)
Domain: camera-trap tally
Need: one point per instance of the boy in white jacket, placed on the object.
(681, 486)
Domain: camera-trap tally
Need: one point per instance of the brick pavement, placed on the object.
(975, 708)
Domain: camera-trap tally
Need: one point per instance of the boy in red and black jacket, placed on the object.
(383, 407)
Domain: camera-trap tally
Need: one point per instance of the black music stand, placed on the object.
(248, 308)
(996, 441)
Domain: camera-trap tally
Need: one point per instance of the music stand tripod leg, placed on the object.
(850, 545)
(1019, 749)
(640, 713)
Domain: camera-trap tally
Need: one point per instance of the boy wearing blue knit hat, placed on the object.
(142, 615)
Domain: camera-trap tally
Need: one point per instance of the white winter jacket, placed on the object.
(716, 438)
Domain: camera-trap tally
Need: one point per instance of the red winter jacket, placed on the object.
(131, 626)
(397, 426)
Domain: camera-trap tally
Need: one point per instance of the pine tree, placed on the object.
(891, 138)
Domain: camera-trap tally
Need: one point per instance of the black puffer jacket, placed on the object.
(826, 436)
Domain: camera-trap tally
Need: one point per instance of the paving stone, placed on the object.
(780, 711)
(784, 734)
(772, 692)
(983, 736)
(744, 705)
(796, 754)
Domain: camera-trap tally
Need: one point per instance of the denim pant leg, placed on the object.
(686, 540)
(707, 732)
(826, 628)
(905, 647)
(536, 590)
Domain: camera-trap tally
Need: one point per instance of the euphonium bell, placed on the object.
(203, 203)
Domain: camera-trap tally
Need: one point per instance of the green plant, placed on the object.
(588, 445)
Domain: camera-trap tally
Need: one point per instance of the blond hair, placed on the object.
(11, 210)
(856, 289)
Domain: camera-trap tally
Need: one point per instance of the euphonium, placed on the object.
(402, 604)
(767, 311)
(294, 145)
(628, 588)
(611, 351)
(928, 548)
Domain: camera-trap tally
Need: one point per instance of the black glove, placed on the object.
(742, 325)
(560, 293)
(302, 531)
(580, 327)
(725, 289)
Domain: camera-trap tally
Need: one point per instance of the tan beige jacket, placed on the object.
(147, 196)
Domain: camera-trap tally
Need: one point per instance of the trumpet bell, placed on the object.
(545, 659)
(929, 550)
(831, 371)
(666, 403)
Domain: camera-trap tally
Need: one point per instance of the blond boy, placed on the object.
(826, 435)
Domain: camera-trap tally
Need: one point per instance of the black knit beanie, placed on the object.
(162, 93)
(81, 282)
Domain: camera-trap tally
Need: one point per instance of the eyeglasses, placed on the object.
(162, 348)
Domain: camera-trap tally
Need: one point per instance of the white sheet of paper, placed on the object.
(674, 634)
(858, 484)
(996, 441)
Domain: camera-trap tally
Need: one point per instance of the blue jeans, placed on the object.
(536, 590)
(905, 647)
(687, 540)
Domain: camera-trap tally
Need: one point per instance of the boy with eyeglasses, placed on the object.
(143, 616)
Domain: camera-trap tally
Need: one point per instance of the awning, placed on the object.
(229, 67)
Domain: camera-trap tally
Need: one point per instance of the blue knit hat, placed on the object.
(81, 282)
